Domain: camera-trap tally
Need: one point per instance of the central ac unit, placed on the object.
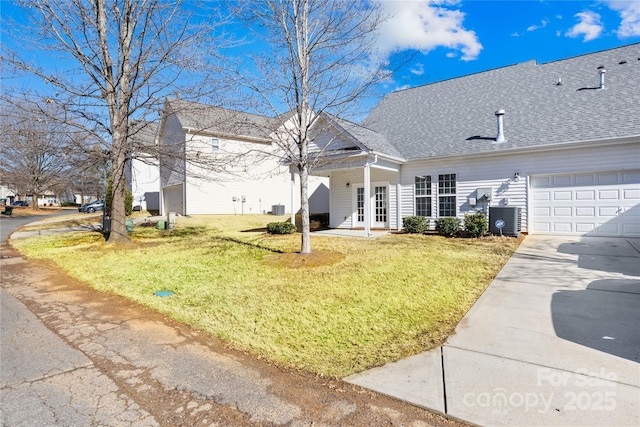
(509, 217)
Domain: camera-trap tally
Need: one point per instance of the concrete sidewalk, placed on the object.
(554, 340)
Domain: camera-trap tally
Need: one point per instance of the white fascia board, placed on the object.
(233, 137)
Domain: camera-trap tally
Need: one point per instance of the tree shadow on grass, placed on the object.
(255, 230)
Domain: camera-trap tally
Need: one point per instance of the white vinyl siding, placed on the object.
(173, 199)
(343, 197)
(497, 173)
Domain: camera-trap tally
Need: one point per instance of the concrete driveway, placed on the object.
(554, 340)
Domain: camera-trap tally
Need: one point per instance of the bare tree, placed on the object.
(320, 58)
(117, 60)
(37, 152)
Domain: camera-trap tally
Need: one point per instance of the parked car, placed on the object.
(92, 207)
(20, 203)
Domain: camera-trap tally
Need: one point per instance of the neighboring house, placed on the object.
(48, 198)
(7, 195)
(143, 173)
(224, 162)
(560, 141)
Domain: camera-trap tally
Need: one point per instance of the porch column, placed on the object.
(367, 200)
(293, 192)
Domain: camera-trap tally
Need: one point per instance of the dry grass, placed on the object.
(352, 305)
(29, 211)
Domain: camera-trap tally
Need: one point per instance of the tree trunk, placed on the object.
(118, 182)
(305, 246)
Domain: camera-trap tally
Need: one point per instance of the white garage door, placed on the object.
(595, 204)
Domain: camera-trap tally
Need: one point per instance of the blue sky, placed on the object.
(454, 38)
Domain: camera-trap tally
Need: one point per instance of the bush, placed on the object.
(415, 224)
(281, 228)
(476, 225)
(128, 199)
(448, 226)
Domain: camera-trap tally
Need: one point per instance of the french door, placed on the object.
(378, 203)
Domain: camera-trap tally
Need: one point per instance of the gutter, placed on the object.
(540, 148)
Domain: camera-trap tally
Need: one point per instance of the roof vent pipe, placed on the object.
(601, 72)
(499, 116)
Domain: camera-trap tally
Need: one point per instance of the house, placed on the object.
(143, 171)
(221, 161)
(7, 195)
(559, 140)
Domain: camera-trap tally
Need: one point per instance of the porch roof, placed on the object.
(366, 139)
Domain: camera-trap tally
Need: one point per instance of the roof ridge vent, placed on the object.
(500, 137)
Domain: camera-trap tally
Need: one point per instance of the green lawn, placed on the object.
(354, 305)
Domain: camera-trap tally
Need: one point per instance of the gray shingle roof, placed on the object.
(456, 117)
(220, 121)
(367, 138)
(143, 134)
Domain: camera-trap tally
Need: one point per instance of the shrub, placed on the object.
(281, 228)
(415, 224)
(476, 225)
(128, 199)
(448, 226)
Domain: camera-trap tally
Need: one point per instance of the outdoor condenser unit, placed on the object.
(510, 217)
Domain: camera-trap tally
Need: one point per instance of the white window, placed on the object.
(360, 203)
(423, 195)
(215, 144)
(381, 203)
(447, 195)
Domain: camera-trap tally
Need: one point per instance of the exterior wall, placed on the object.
(145, 185)
(318, 194)
(498, 174)
(257, 177)
(173, 138)
(342, 198)
(244, 173)
(248, 171)
(329, 140)
(173, 200)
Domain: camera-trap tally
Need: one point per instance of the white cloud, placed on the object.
(516, 34)
(543, 24)
(418, 70)
(451, 54)
(589, 26)
(425, 25)
(630, 13)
